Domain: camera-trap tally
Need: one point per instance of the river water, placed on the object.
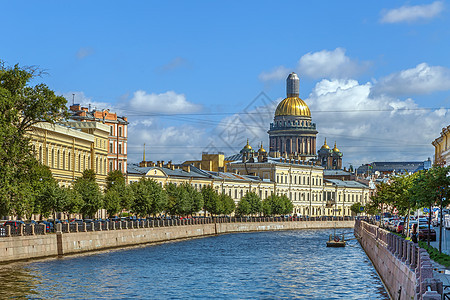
(260, 265)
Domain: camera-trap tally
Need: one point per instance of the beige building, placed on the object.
(442, 148)
(71, 148)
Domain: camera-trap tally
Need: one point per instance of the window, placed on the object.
(79, 162)
(266, 194)
(53, 158)
(120, 148)
(120, 131)
(96, 165)
(58, 160)
(64, 159)
(110, 166)
(111, 147)
(235, 194)
(40, 153)
(278, 178)
(120, 166)
(84, 162)
(111, 130)
(68, 162)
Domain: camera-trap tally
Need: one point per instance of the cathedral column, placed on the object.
(290, 145)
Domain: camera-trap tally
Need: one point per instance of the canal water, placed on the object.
(258, 265)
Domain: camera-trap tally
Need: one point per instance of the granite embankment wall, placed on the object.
(40, 246)
(404, 267)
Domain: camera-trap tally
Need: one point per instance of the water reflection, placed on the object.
(287, 264)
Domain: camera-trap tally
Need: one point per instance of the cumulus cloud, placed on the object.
(412, 13)
(321, 64)
(423, 79)
(370, 127)
(333, 64)
(277, 73)
(168, 102)
(84, 52)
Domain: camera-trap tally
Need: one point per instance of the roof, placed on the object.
(135, 169)
(336, 173)
(347, 183)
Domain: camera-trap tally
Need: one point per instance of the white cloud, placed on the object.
(277, 73)
(321, 64)
(412, 13)
(423, 79)
(334, 64)
(373, 128)
(84, 52)
(168, 102)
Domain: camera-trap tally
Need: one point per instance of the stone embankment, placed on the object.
(404, 267)
(65, 242)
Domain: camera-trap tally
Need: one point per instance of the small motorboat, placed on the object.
(336, 241)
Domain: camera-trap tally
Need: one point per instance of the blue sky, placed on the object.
(189, 74)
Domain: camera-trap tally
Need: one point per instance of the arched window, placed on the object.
(53, 158)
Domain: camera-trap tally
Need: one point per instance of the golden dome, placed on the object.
(325, 146)
(292, 106)
(335, 149)
(247, 146)
(261, 149)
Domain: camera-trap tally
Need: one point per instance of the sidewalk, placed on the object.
(443, 274)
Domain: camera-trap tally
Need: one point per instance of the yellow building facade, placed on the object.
(442, 148)
(68, 151)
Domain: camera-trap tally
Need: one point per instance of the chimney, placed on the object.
(186, 168)
(159, 164)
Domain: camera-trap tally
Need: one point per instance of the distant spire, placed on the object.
(292, 85)
(144, 152)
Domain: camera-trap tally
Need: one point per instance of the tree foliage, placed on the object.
(149, 198)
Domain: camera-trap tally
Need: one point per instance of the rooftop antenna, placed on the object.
(73, 99)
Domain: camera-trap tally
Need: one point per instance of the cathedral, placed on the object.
(292, 134)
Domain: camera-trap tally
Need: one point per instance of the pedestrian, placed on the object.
(414, 233)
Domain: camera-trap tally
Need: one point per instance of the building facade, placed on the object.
(118, 133)
(292, 133)
(330, 159)
(442, 148)
(68, 150)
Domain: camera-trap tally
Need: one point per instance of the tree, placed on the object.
(286, 206)
(178, 200)
(111, 202)
(355, 208)
(90, 193)
(195, 197)
(149, 198)
(210, 200)
(429, 188)
(227, 204)
(243, 208)
(115, 180)
(267, 205)
(21, 106)
(255, 203)
(277, 205)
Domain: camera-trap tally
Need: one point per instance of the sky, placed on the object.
(204, 76)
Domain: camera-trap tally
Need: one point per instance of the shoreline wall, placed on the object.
(403, 266)
(51, 245)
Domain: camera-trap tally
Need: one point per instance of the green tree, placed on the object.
(210, 200)
(115, 180)
(195, 198)
(111, 202)
(243, 208)
(90, 193)
(178, 200)
(149, 198)
(254, 201)
(21, 107)
(227, 204)
(355, 208)
(286, 205)
(267, 205)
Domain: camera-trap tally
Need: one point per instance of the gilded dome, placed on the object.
(261, 149)
(247, 148)
(292, 106)
(325, 146)
(335, 149)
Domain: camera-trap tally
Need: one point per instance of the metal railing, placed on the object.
(41, 229)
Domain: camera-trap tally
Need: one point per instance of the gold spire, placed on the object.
(247, 146)
(261, 149)
(335, 149)
(325, 146)
(144, 153)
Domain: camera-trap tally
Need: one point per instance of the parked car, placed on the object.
(423, 233)
(399, 227)
(48, 225)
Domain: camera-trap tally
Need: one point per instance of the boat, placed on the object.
(336, 241)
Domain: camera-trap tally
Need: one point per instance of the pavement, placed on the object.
(439, 271)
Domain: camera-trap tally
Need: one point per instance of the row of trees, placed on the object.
(407, 193)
